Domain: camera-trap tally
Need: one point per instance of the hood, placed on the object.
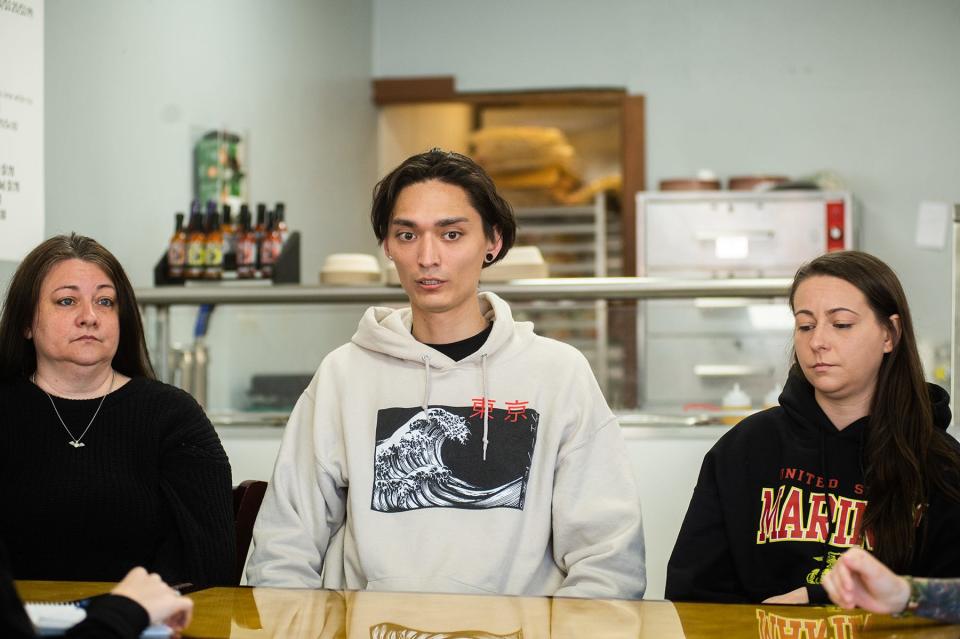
(388, 331)
(798, 401)
(940, 401)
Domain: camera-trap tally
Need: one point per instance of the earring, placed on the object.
(488, 258)
(390, 257)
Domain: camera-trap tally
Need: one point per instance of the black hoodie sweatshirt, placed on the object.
(758, 524)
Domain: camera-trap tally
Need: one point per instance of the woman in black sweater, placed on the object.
(855, 455)
(102, 468)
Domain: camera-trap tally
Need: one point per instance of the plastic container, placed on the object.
(735, 400)
(522, 262)
(772, 398)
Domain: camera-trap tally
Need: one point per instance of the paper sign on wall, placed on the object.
(21, 127)
(932, 221)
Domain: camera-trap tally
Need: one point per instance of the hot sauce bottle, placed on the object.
(260, 230)
(270, 247)
(229, 231)
(214, 252)
(246, 247)
(196, 244)
(281, 211)
(177, 250)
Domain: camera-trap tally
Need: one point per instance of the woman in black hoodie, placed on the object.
(855, 455)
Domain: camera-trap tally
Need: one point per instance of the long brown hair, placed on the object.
(18, 356)
(904, 457)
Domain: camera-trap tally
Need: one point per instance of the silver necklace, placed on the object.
(75, 441)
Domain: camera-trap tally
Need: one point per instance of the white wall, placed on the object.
(6, 272)
(127, 80)
(865, 88)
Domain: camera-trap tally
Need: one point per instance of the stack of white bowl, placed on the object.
(351, 269)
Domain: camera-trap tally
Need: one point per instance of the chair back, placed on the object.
(247, 497)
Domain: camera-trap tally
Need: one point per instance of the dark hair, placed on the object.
(904, 457)
(18, 356)
(451, 168)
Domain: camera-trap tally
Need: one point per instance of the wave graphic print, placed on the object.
(394, 631)
(409, 472)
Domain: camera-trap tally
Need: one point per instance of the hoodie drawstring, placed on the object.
(483, 381)
(426, 388)
(831, 513)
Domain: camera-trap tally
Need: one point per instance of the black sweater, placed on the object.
(758, 524)
(151, 487)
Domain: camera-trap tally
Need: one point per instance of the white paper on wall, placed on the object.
(21, 127)
(932, 222)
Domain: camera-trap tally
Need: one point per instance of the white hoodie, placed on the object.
(384, 480)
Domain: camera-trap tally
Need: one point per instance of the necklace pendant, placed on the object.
(76, 444)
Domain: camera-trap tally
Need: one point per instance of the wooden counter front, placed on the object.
(269, 612)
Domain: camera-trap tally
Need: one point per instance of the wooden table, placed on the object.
(267, 612)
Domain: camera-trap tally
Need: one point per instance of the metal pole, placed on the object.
(955, 299)
(600, 306)
(162, 347)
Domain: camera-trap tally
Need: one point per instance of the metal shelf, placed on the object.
(576, 247)
(554, 288)
(596, 289)
(526, 212)
(557, 229)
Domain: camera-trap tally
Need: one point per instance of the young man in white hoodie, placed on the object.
(447, 448)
